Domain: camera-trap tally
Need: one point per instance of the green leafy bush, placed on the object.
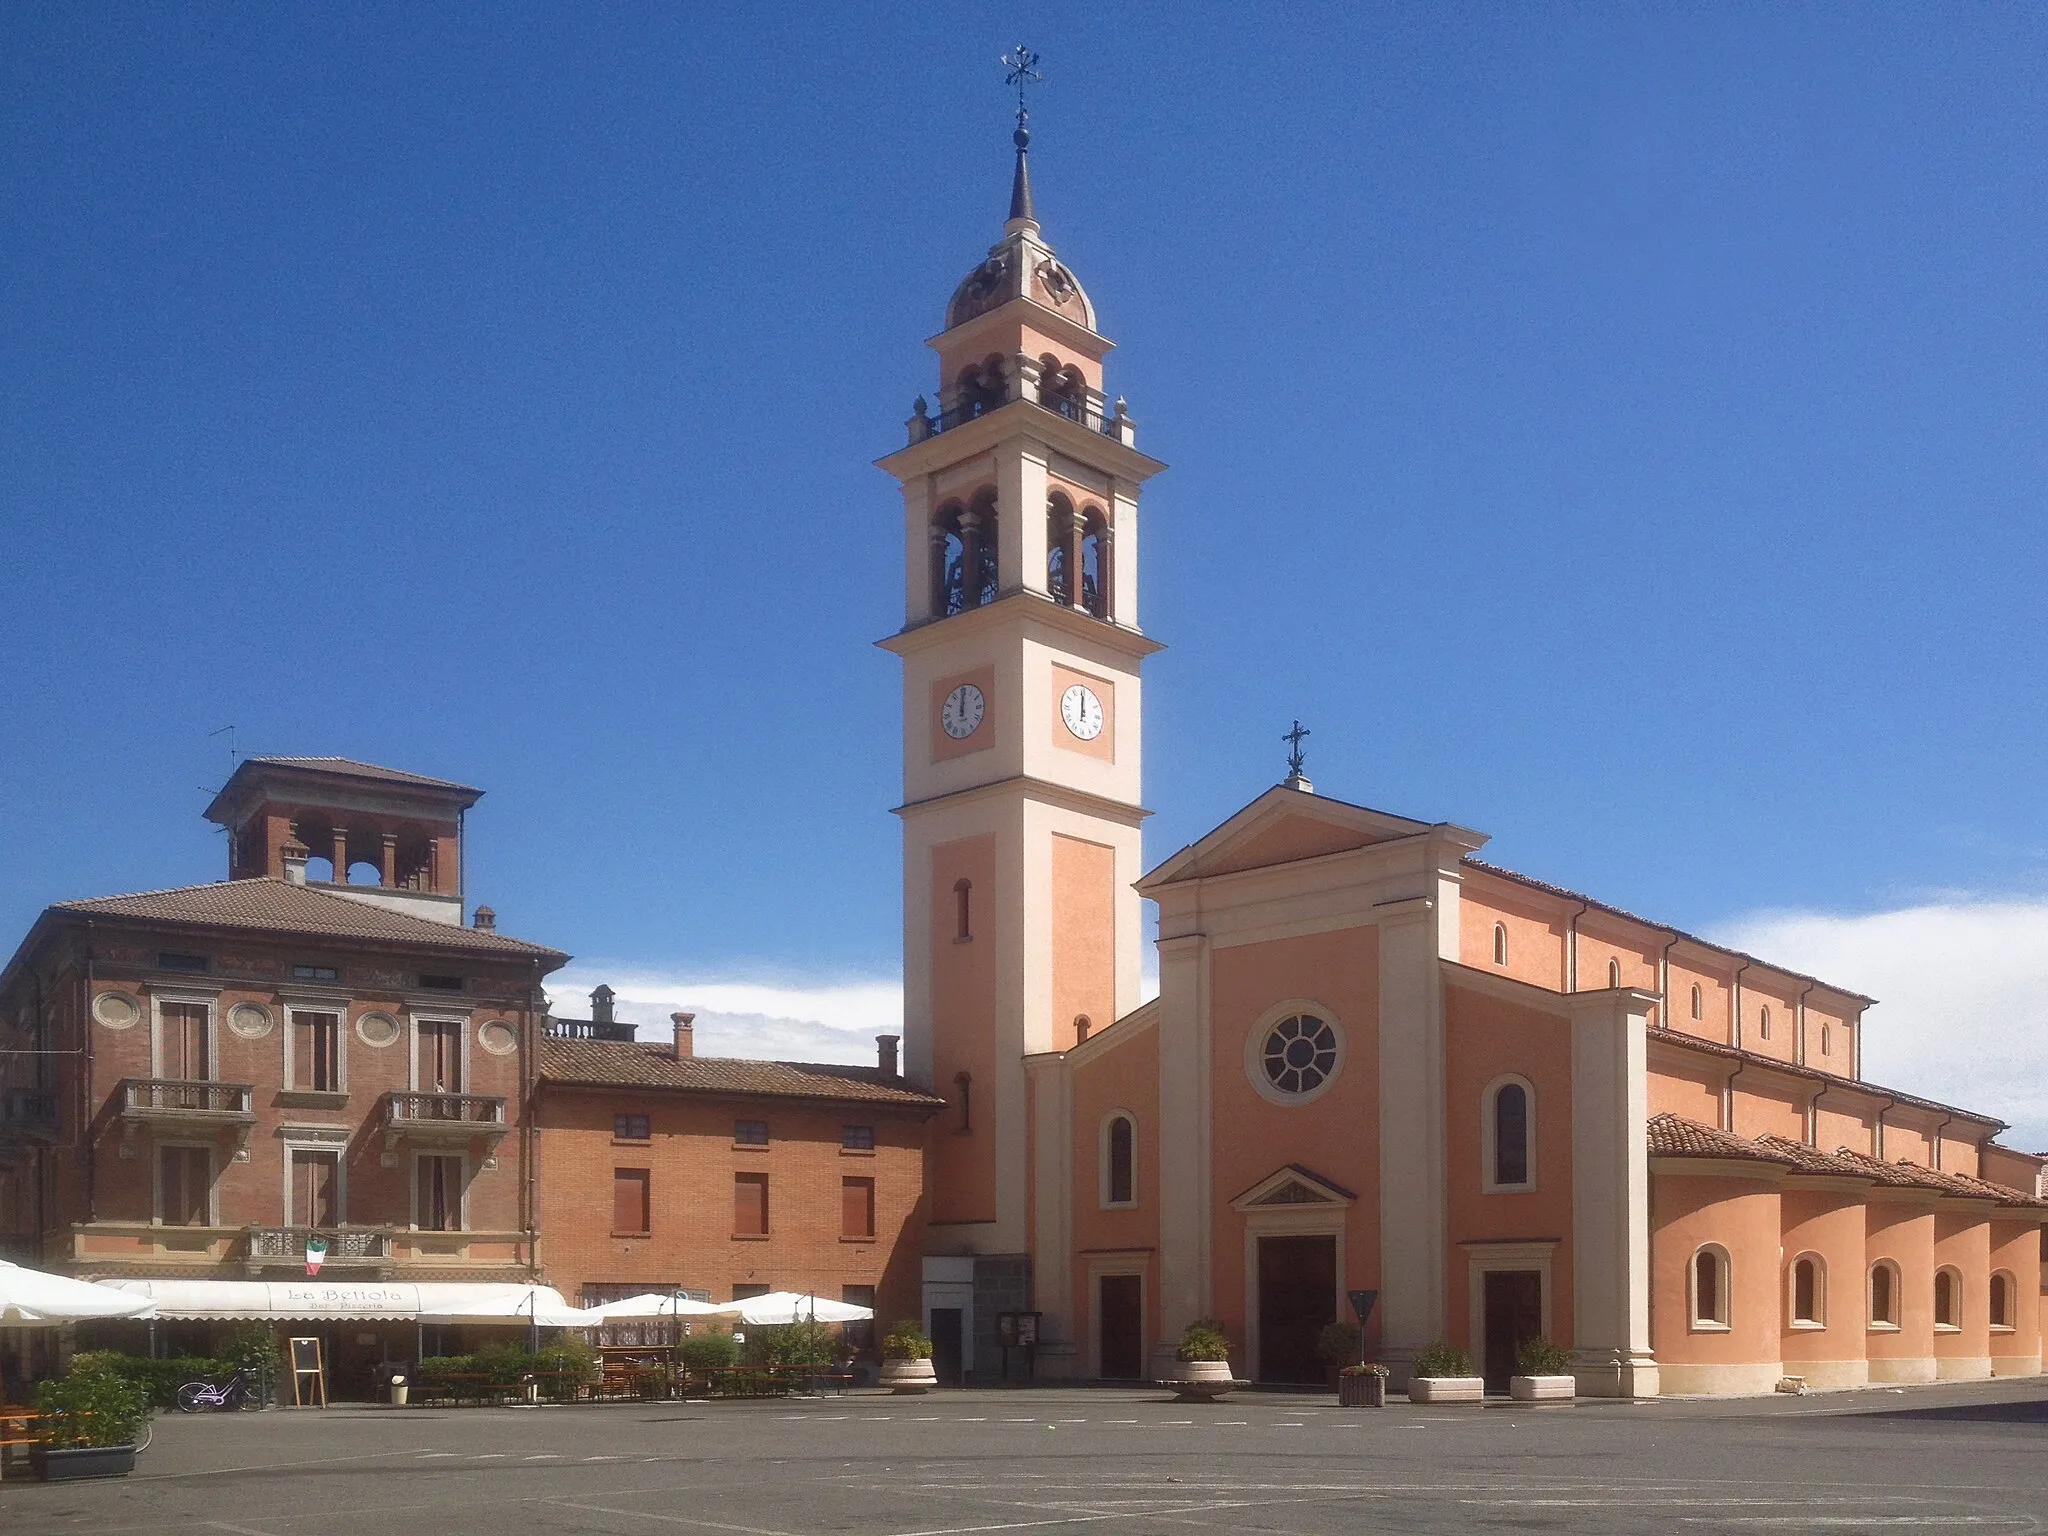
(160, 1379)
(1338, 1344)
(1442, 1359)
(1539, 1357)
(907, 1340)
(96, 1405)
(568, 1356)
(503, 1364)
(708, 1352)
(1204, 1340)
(1366, 1370)
(799, 1344)
(252, 1348)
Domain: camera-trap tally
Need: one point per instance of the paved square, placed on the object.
(958, 1463)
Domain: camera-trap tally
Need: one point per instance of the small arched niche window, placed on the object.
(2001, 1301)
(1709, 1286)
(1809, 1292)
(963, 911)
(1613, 973)
(1507, 1135)
(963, 555)
(1763, 1024)
(1500, 943)
(1119, 1188)
(1698, 1002)
(1827, 1040)
(1948, 1300)
(1062, 547)
(1884, 1294)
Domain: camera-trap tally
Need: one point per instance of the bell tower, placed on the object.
(1021, 721)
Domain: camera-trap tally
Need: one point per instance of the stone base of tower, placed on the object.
(965, 1297)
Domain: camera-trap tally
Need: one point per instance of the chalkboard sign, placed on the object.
(309, 1374)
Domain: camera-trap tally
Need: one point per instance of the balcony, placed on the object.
(443, 1119)
(28, 1118)
(1083, 413)
(351, 1250)
(187, 1104)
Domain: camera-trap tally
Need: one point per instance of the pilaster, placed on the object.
(1411, 1134)
(1611, 1355)
(1185, 1204)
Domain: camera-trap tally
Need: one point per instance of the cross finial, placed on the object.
(1022, 65)
(1294, 739)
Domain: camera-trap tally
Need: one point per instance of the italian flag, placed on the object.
(316, 1250)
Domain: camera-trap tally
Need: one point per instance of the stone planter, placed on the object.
(1447, 1389)
(82, 1461)
(1201, 1381)
(909, 1378)
(1364, 1390)
(1543, 1389)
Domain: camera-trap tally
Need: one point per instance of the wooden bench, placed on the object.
(17, 1433)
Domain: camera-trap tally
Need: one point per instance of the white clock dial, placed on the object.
(1082, 711)
(962, 711)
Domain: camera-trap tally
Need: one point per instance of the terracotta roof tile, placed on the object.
(362, 770)
(1811, 1159)
(608, 1063)
(1671, 1136)
(268, 905)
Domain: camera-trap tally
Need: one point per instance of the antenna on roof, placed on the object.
(229, 732)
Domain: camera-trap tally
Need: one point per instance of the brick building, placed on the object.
(198, 1080)
(664, 1170)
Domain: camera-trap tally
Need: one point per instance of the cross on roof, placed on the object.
(1294, 739)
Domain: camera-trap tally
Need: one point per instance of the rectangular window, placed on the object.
(750, 1133)
(184, 1042)
(316, 1052)
(441, 983)
(631, 1128)
(742, 1292)
(185, 1180)
(857, 1138)
(440, 1057)
(630, 1209)
(440, 1194)
(861, 1336)
(856, 1207)
(315, 973)
(316, 1188)
(750, 1205)
(171, 962)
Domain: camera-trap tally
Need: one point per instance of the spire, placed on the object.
(1022, 64)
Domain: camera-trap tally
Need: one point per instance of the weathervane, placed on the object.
(1294, 739)
(1022, 65)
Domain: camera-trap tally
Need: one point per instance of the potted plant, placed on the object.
(907, 1360)
(1362, 1386)
(86, 1424)
(1203, 1371)
(1443, 1374)
(1340, 1344)
(1543, 1373)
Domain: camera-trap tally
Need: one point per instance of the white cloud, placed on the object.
(1963, 997)
(835, 1020)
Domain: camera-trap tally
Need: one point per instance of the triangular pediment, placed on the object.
(1286, 826)
(1292, 1185)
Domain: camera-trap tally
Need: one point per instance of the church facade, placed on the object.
(1376, 1062)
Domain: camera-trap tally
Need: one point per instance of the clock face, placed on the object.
(1082, 711)
(962, 711)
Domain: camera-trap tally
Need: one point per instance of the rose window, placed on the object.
(1300, 1053)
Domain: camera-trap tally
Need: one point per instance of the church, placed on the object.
(1376, 1062)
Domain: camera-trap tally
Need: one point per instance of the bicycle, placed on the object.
(238, 1391)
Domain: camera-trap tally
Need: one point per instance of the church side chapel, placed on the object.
(1376, 1062)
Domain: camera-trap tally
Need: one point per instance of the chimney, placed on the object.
(294, 855)
(885, 1053)
(686, 1036)
(601, 1004)
(486, 920)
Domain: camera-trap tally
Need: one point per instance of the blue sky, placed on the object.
(1617, 429)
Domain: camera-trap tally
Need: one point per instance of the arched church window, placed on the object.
(1948, 1309)
(1884, 1294)
(1294, 1053)
(990, 542)
(1827, 1041)
(2001, 1300)
(964, 1081)
(1697, 1002)
(1120, 1160)
(1613, 973)
(1500, 943)
(963, 911)
(1809, 1291)
(1062, 551)
(1710, 1288)
(1507, 1135)
(981, 388)
(1763, 1024)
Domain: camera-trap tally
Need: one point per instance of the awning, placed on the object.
(785, 1307)
(33, 1298)
(433, 1301)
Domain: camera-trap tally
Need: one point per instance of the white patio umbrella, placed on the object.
(780, 1307)
(651, 1305)
(540, 1306)
(32, 1298)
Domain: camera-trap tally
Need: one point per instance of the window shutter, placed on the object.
(750, 1204)
(629, 1200)
(857, 1208)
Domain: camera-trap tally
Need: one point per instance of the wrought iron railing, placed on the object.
(439, 1108)
(586, 1029)
(1084, 412)
(345, 1245)
(186, 1094)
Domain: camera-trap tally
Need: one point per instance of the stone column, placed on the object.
(936, 604)
(1611, 1354)
(388, 868)
(1072, 535)
(970, 558)
(341, 856)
